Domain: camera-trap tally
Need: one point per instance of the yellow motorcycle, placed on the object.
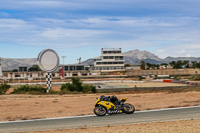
(112, 105)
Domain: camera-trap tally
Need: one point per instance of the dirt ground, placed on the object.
(184, 126)
(23, 107)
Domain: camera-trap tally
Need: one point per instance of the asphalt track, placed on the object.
(171, 114)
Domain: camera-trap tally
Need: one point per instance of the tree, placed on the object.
(173, 64)
(158, 66)
(179, 64)
(127, 65)
(149, 65)
(186, 63)
(143, 64)
(34, 68)
(194, 64)
(153, 66)
(198, 65)
(15, 70)
(164, 64)
(183, 64)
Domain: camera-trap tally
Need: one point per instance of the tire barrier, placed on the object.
(181, 82)
(189, 83)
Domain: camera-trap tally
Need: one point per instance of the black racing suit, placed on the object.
(115, 100)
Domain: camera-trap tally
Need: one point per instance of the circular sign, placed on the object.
(48, 60)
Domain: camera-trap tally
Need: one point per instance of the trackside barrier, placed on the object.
(189, 83)
(167, 80)
(181, 82)
(106, 90)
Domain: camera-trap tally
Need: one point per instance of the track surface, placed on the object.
(92, 121)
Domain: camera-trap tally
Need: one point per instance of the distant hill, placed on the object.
(131, 57)
(8, 64)
(170, 59)
(136, 56)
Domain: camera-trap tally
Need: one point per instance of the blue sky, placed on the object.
(80, 28)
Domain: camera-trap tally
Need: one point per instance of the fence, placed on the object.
(173, 72)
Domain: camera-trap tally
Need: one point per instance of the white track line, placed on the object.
(167, 109)
(83, 116)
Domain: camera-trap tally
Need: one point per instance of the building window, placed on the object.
(108, 57)
(111, 52)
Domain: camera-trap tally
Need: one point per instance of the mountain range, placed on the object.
(9, 64)
(136, 56)
(131, 57)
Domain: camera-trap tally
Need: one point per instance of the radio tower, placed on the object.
(79, 60)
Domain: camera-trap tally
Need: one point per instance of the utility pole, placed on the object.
(63, 69)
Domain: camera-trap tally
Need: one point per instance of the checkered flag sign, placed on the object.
(48, 80)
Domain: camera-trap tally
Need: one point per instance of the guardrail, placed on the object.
(106, 90)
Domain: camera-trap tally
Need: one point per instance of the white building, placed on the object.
(111, 60)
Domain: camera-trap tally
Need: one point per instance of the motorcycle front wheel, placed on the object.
(100, 110)
(128, 108)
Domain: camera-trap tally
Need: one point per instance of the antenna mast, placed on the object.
(79, 60)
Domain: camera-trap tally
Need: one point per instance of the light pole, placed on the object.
(63, 59)
(63, 65)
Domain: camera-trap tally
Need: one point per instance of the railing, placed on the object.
(163, 72)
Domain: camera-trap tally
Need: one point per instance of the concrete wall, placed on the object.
(163, 72)
(22, 75)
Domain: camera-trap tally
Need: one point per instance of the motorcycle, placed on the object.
(104, 106)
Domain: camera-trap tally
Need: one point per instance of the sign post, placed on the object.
(48, 61)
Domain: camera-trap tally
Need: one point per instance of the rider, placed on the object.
(114, 100)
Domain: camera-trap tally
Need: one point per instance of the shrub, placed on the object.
(29, 89)
(66, 86)
(140, 78)
(4, 88)
(94, 90)
(195, 77)
(77, 85)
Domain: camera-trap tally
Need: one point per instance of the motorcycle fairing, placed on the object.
(106, 104)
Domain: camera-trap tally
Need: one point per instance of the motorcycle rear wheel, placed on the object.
(100, 110)
(128, 108)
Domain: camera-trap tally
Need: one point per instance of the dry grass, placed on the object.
(20, 107)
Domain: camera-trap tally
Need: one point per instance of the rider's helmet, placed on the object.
(114, 98)
(102, 97)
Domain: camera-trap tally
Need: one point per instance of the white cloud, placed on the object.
(11, 23)
(192, 46)
(4, 14)
(169, 39)
(39, 4)
(188, 55)
(160, 50)
(60, 33)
